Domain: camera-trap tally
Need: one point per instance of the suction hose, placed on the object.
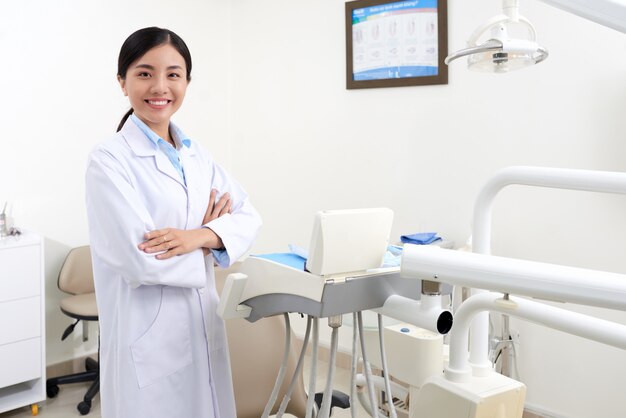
(282, 370)
(310, 403)
(296, 373)
(366, 366)
(383, 356)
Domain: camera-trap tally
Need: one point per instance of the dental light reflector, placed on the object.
(512, 55)
(501, 53)
(501, 56)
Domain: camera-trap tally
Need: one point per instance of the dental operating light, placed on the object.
(501, 53)
(508, 41)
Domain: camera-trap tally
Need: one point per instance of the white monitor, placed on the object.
(346, 241)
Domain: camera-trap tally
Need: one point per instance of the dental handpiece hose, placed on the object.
(367, 369)
(383, 357)
(282, 370)
(334, 322)
(355, 336)
(313, 374)
(296, 373)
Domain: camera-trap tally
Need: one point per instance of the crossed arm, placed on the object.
(172, 242)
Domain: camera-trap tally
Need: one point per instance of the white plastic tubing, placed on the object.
(584, 180)
(595, 329)
(424, 313)
(521, 277)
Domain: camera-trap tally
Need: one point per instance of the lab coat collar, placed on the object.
(179, 137)
(137, 142)
(143, 147)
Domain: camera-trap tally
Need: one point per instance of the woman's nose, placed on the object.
(159, 85)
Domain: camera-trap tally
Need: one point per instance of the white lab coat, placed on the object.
(163, 348)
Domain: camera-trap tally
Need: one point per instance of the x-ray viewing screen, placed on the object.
(395, 40)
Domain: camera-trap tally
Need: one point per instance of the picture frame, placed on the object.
(392, 43)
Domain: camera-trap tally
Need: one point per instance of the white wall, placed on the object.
(61, 97)
(302, 142)
(268, 99)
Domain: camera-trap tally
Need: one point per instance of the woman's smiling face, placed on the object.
(155, 85)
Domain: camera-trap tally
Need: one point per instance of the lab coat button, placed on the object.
(201, 290)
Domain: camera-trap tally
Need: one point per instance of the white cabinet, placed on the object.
(22, 324)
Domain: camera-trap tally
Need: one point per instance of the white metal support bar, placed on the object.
(584, 180)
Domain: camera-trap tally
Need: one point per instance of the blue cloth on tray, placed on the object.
(421, 238)
(287, 259)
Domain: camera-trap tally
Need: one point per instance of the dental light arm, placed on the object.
(609, 13)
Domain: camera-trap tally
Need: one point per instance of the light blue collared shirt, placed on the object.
(180, 139)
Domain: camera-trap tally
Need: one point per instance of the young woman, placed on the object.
(161, 213)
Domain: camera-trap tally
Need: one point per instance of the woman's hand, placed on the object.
(170, 242)
(215, 210)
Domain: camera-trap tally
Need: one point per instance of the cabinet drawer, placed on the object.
(20, 362)
(20, 320)
(20, 272)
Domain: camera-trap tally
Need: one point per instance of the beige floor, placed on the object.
(64, 405)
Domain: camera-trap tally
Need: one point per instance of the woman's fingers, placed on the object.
(156, 238)
(221, 204)
(227, 207)
(167, 243)
(171, 249)
(209, 209)
(217, 209)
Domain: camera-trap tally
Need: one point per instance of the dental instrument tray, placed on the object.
(347, 249)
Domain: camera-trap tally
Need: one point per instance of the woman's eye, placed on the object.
(144, 75)
(175, 75)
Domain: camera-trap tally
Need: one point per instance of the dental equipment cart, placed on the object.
(342, 275)
(22, 324)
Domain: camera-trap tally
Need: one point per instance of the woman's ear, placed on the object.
(122, 84)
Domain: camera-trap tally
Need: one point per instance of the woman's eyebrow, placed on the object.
(147, 66)
(151, 67)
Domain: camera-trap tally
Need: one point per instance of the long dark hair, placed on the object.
(140, 42)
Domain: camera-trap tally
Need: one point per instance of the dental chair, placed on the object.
(76, 278)
(254, 366)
